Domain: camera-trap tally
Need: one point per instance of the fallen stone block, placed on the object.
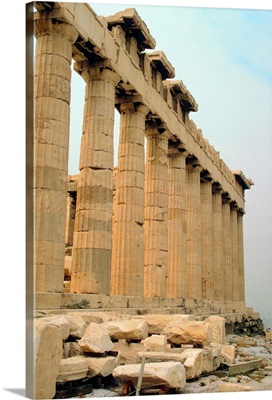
(133, 329)
(128, 351)
(100, 366)
(234, 387)
(156, 322)
(47, 358)
(72, 369)
(155, 343)
(169, 374)
(96, 339)
(228, 354)
(158, 356)
(61, 322)
(218, 328)
(77, 326)
(192, 359)
(193, 363)
(190, 332)
(71, 349)
(88, 317)
(211, 359)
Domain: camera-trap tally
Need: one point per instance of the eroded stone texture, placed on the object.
(193, 218)
(133, 329)
(193, 363)
(156, 218)
(127, 273)
(218, 328)
(93, 226)
(227, 249)
(102, 366)
(176, 281)
(47, 358)
(52, 89)
(207, 235)
(155, 343)
(157, 322)
(72, 369)
(96, 339)
(169, 374)
(219, 271)
(192, 332)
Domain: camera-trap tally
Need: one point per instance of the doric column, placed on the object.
(241, 273)
(193, 219)
(127, 273)
(219, 273)
(235, 255)
(70, 219)
(227, 248)
(207, 238)
(155, 216)
(52, 89)
(93, 226)
(176, 282)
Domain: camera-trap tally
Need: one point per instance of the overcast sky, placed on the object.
(224, 57)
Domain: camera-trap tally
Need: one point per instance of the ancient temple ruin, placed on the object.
(162, 230)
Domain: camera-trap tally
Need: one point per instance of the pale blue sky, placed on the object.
(224, 57)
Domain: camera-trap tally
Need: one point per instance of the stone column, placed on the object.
(155, 216)
(219, 273)
(207, 238)
(193, 219)
(176, 282)
(70, 219)
(235, 256)
(127, 273)
(52, 89)
(241, 289)
(227, 248)
(93, 226)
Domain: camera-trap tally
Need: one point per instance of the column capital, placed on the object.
(217, 188)
(241, 212)
(226, 198)
(234, 206)
(159, 131)
(194, 168)
(177, 152)
(43, 25)
(89, 71)
(206, 177)
(132, 107)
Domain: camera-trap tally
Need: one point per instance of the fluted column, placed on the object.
(193, 219)
(155, 217)
(70, 219)
(176, 282)
(127, 273)
(207, 238)
(219, 273)
(93, 225)
(235, 255)
(241, 273)
(52, 90)
(227, 248)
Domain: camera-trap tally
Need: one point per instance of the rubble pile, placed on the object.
(173, 351)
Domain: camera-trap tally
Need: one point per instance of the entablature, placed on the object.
(133, 26)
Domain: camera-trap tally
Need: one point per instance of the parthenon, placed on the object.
(164, 228)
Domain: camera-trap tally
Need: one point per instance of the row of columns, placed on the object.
(172, 233)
